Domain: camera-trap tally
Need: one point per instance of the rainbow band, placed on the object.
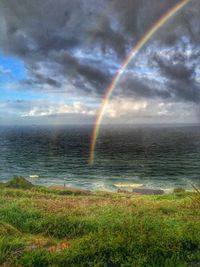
(147, 36)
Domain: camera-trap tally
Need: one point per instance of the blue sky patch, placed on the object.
(11, 69)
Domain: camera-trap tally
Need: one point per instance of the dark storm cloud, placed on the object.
(135, 87)
(106, 37)
(40, 79)
(37, 31)
(181, 71)
(137, 16)
(73, 65)
(73, 42)
(176, 90)
(175, 70)
(176, 77)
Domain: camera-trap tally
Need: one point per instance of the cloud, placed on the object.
(39, 79)
(48, 34)
(181, 72)
(118, 111)
(4, 71)
(76, 47)
(62, 109)
(45, 112)
(153, 111)
(123, 107)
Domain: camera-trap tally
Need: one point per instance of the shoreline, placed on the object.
(129, 189)
(134, 191)
(137, 188)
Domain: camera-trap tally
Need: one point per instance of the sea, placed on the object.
(158, 156)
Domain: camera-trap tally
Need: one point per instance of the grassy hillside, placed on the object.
(41, 227)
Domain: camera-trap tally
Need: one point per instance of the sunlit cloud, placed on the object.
(62, 109)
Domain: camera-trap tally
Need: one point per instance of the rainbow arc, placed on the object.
(136, 49)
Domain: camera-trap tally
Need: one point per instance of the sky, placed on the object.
(57, 59)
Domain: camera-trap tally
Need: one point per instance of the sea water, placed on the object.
(158, 156)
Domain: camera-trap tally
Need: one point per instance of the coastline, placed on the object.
(129, 189)
(136, 190)
(105, 186)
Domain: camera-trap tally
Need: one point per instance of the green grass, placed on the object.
(41, 227)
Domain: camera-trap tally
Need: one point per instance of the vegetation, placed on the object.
(18, 182)
(41, 227)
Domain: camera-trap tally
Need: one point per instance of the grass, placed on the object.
(41, 227)
(197, 196)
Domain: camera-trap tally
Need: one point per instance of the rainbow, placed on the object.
(146, 37)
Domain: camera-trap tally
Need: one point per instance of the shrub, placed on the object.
(19, 182)
(179, 190)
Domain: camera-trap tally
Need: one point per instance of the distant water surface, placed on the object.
(157, 156)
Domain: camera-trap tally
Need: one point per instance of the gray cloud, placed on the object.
(75, 42)
(180, 71)
(39, 79)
